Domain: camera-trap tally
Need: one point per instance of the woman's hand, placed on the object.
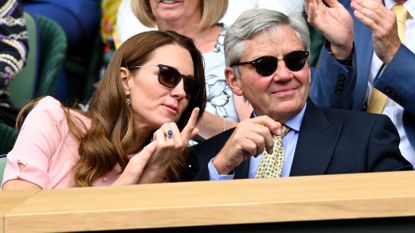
(135, 167)
(170, 143)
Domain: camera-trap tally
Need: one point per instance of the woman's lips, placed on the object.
(169, 1)
(172, 109)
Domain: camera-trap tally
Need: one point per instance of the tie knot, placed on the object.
(284, 130)
(401, 12)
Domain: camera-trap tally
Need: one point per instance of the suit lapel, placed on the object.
(316, 143)
(242, 171)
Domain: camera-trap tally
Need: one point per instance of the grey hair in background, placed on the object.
(254, 21)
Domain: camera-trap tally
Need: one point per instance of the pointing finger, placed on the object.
(190, 126)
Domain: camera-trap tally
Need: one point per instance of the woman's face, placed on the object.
(152, 103)
(170, 11)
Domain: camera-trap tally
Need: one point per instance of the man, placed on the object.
(266, 57)
(368, 63)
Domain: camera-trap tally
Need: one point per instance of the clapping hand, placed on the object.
(335, 23)
(382, 22)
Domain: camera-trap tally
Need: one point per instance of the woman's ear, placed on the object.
(233, 81)
(125, 77)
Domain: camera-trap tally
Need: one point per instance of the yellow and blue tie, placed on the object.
(271, 165)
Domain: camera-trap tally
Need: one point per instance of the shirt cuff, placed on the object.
(214, 175)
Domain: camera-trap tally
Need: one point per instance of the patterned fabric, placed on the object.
(109, 33)
(271, 165)
(378, 100)
(13, 41)
(219, 95)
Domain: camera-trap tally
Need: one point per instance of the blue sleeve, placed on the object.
(397, 80)
(214, 175)
(332, 83)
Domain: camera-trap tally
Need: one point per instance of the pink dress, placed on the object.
(48, 150)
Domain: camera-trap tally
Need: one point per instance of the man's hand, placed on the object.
(249, 138)
(335, 23)
(382, 22)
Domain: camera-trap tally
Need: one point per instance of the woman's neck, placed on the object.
(204, 39)
(182, 26)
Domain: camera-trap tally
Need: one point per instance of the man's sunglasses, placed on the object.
(267, 65)
(169, 77)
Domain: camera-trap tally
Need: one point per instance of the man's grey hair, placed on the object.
(254, 21)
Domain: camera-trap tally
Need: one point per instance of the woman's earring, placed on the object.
(128, 101)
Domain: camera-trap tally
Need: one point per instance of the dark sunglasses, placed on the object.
(169, 77)
(267, 65)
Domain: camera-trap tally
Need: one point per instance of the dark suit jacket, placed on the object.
(331, 141)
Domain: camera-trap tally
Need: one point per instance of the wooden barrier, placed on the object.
(11, 199)
(221, 203)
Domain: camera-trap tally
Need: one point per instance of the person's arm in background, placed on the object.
(335, 23)
(13, 41)
(397, 79)
(210, 125)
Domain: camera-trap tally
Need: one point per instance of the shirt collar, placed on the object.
(295, 122)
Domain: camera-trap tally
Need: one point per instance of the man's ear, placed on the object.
(233, 81)
(125, 77)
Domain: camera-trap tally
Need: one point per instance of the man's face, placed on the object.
(282, 94)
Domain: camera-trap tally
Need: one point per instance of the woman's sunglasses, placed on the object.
(267, 65)
(170, 77)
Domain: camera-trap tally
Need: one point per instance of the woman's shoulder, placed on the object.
(46, 110)
(49, 110)
(48, 101)
(48, 104)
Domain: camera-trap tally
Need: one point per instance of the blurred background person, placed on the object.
(368, 63)
(13, 54)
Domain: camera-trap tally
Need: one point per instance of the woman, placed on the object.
(198, 19)
(145, 112)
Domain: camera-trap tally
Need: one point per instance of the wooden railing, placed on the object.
(220, 203)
